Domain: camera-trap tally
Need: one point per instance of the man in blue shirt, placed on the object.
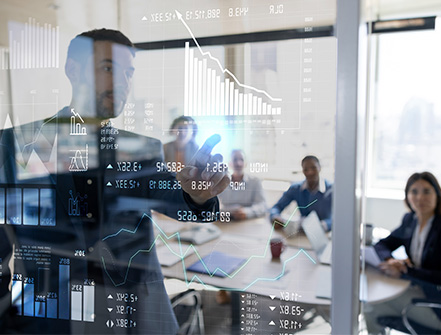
(313, 188)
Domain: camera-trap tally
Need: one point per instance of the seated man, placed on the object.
(312, 194)
(244, 197)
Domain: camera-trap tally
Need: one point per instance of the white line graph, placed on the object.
(208, 54)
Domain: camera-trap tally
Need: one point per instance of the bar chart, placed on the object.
(208, 92)
(29, 206)
(72, 300)
(76, 124)
(31, 46)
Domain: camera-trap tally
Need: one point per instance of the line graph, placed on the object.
(206, 53)
(292, 214)
(38, 133)
(209, 92)
(162, 236)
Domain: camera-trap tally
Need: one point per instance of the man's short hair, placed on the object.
(238, 150)
(311, 157)
(81, 47)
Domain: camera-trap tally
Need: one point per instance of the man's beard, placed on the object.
(112, 109)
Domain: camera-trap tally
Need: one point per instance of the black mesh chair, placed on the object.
(188, 310)
(403, 324)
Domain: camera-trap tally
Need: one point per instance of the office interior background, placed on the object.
(291, 50)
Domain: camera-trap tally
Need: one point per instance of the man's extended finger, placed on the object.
(216, 167)
(203, 153)
(210, 143)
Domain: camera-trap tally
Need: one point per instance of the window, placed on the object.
(406, 109)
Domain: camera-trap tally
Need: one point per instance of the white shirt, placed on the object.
(321, 186)
(247, 194)
(418, 242)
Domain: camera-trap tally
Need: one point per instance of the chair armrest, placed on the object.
(425, 303)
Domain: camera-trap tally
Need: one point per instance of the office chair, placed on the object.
(403, 324)
(188, 310)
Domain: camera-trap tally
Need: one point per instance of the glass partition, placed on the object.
(400, 273)
(182, 180)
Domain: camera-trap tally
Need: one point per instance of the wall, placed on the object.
(385, 213)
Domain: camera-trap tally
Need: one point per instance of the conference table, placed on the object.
(294, 274)
(297, 274)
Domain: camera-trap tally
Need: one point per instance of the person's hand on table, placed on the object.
(393, 267)
(279, 225)
(201, 181)
(239, 214)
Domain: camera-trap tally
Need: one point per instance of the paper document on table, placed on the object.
(400, 253)
(324, 287)
(170, 254)
(371, 256)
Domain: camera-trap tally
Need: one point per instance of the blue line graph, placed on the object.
(164, 238)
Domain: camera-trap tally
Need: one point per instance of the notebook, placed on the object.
(218, 264)
(317, 237)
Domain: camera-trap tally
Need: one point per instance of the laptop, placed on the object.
(317, 237)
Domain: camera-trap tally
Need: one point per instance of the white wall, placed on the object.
(385, 213)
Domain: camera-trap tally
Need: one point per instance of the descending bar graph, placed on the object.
(31, 46)
(70, 302)
(29, 206)
(208, 93)
(76, 126)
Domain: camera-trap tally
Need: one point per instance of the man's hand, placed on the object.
(204, 178)
(280, 222)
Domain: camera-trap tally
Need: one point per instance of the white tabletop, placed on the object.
(296, 272)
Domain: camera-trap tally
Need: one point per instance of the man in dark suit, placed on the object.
(82, 211)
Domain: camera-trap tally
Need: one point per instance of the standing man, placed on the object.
(94, 194)
(313, 188)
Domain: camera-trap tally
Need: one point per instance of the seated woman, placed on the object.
(420, 234)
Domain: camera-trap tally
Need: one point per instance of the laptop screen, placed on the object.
(315, 233)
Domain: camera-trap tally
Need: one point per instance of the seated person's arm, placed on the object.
(327, 223)
(284, 201)
(396, 239)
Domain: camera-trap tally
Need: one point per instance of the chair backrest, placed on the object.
(188, 311)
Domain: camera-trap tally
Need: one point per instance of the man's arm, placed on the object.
(287, 197)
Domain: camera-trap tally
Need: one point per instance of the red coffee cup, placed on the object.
(277, 247)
